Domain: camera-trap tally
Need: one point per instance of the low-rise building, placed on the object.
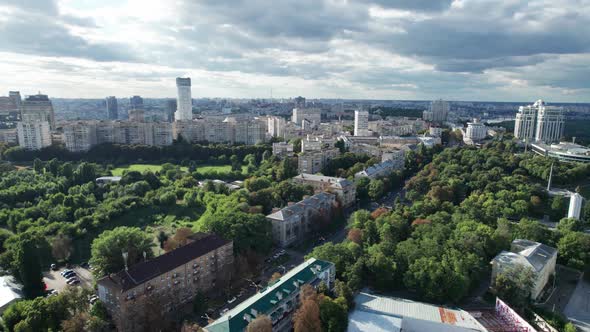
(538, 257)
(563, 151)
(380, 170)
(291, 223)
(174, 277)
(279, 301)
(10, 292)
(282, 149)
(314, 161)
(344, 189)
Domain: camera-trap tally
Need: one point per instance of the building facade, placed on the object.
(314, 161)
(33, 135)
(282, 149)
(563, 151)
(475, 132)
(344, 189)
(361, 123)
(292, 223)
(279, 300)
(112, 108)
(307, 118)
(184, 101)
(79, 136)
(539, 123)
(38, 108)
(174, 278)
(383, 169)
(575, 207)
(439, 111)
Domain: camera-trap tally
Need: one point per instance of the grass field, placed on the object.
(155, 168)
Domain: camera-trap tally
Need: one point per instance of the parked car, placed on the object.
(65, 271)
(232, 300)
(73, 281)
(69, 274)
(74, 276)
(53, 267)
(223, 311)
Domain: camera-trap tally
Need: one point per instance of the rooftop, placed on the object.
(379, 314)
(265, 300)
(145, 271)
(9, 290)
(342, 182)
(301, 206)
(526, 252)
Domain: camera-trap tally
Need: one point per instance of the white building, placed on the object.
(538, 257)
(10, 292)
(475, 131)
(184, 101)
(380, 170)
(361, 123)
(33, 135)
(276, 126)
(539, 122)
(435, 131)
(575, 208)
(563, 151)
(79, 136)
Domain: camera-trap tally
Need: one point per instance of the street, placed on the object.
(578, 307)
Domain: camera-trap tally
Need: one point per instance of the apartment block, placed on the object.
(282, 149)
(314, 161)
(279, 300)
(79, 136)
(33, 135)
(344, 189)
(174, 277)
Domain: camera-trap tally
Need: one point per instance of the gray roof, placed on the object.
(529, 253)
(301, 206)
(336, 182)
(377, 168)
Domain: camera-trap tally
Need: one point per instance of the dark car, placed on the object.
(69, 274)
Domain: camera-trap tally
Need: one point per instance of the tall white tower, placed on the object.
(361, 123)
(184, 111)
(575, 206)
(440, 110)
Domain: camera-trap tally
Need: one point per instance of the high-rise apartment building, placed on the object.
(184, 102)
(136, 115)
(171, 106)
(476, 131)
(79, 136)
(439, 111)
(299, 102)
(276, 126)
(38, 108)
(112, 108)
(361, 123)
(136, 102)
(539, 123)
(33, 135)
(307, 117)
(15, 96)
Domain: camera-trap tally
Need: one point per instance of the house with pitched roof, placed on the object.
(540, 258)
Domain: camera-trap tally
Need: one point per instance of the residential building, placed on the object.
(398, 156)
(299, 102)
(538, 257)
(136, 115)
(307, 118)
(171, 106)
(79, 136)
(475, 132)
(16, 97)
(174, 277)
(112, 108)
(184, 100)
(575, 207)
(136, 102)
(38, 108)
(9, 136)
(435, 131)
(160, 133)
(276, 126)
(439, 111)
(377, 313)
(539, 123)
(292, 223)
(249, 131)
(383, 169)
(563, 151)
(550, 123)
(10, 292)
(344, 189)
(361, 123)
(314, 161)
(33, 135)
(282, 149)
(279, 300)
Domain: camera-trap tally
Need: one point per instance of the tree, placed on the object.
(262, 323)
(61, 247)
(108, 248)
(514, 285)
(570, 225)
(307, 316)
(574, 249)
(38, 166)
(376, 189)
(27, 251)
(162, 237)
(235, 163)
(75, 323)
(275, 276)
(355, 235)
(333, 314)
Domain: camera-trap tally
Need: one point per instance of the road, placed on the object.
(578, 307)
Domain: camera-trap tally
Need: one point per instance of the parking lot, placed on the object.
(54, 280)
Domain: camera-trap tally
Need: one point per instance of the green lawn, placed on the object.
(140, 168)
(217, 168)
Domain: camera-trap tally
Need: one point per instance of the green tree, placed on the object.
(38, 166)
(376, 189)
(26, 252)
(108, 248)
(514, 285)
(574, 249)
(236, 166)
(570, 225)
(333, 314)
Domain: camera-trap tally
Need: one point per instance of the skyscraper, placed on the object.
(539, 122)
(439, 110)
(37, 108)
(136, 102)
(361, 123)
(15, 96)
(184, 102)
(112, 108)
(170, 109)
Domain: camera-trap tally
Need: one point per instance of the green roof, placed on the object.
(263, 302)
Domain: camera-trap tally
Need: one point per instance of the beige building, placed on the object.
(282, 149)
(79, 136)
(38, 108)
(314, 161)
(344, 189)
(33, 135)
(174, 277)
(538, 257)
(291, 223)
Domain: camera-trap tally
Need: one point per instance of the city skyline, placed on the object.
(362, 49)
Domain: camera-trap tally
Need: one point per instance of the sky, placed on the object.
(496, 50)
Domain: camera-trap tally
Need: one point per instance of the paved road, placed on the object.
(578, 308)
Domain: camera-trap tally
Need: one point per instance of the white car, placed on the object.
(232, 300)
